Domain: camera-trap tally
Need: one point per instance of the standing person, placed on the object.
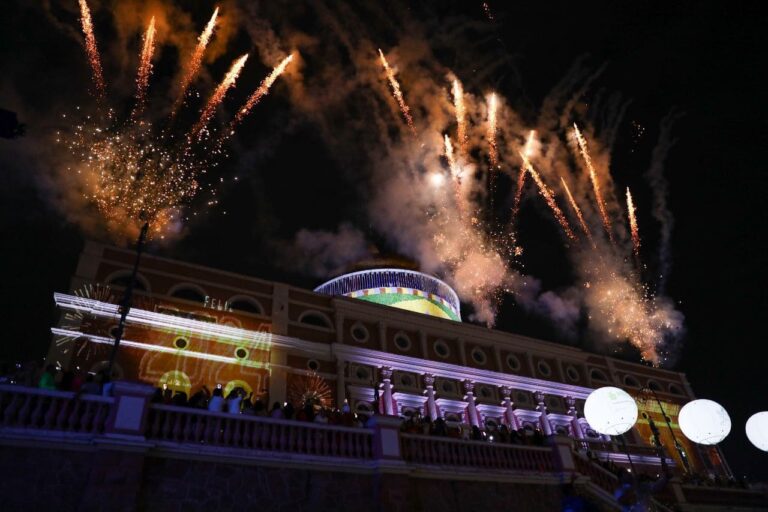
(216, 403)
(234, 400)
(48, 378)
(276, 411)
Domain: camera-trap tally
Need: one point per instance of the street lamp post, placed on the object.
(125, 305)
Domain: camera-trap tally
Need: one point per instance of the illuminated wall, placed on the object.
(161, 349)
(650, 409)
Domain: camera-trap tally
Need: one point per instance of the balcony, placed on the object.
(123, 431)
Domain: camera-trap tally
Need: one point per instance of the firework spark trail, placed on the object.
(633, 224)
(546, 193)
(521, 176)
(576, 209)
(461, 114)
(398, 94)
(261, 91)
(92, 50)
(145, 68)
(493, 150)
(193, 67)
(217, 97)
(455, 173)
(595, 184)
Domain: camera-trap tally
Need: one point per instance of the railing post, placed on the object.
(677, 490)
(386, 437)
(129, 414)
(562, 448)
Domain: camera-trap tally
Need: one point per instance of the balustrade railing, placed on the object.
(184, 425)
(420, 449)
(41, 409)
(599, 476)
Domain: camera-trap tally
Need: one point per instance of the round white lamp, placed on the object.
(757, 430)
(704, 421)
(610, 411)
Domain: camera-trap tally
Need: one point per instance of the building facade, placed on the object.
(192, 326)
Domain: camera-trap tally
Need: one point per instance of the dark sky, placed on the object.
(706, 61)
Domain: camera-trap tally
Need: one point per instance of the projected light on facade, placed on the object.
(399, 288)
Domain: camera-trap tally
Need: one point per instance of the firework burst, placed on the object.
(595, 183)
(195, 60)
(527, 151)
(145, 68)
(461, 114)
(261, 91)
(397, 93)
(92, 50)
(130, 171)
(217, 97)
(549, 198)
(577, 211)
(633, 224)
(493, 150)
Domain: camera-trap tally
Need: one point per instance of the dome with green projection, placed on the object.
(399, 288)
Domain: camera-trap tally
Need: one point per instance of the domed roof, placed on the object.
(403, 288)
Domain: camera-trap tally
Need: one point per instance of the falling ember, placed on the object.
(218, 96)
(193, 67)
(593, 178)
(398, 94)
(577, 210)
(546, 193)
(493, 150)
(262, 90)
(527, 151)
(461, 114)
(145, 68)
(91, 49)
(633, 224)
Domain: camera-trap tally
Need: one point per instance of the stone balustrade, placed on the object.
(125, 427)
(24, 408)
(440, 451)
(184, 425)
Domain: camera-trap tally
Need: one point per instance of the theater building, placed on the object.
(389, 339)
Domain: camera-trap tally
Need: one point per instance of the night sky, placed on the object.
(703, 62)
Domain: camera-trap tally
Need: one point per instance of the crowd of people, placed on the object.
(418, 424)
(237, 401)
(53, 378)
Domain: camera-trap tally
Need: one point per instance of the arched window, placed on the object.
(245, 304)
(188, 291)
(315, 319)
(653, 385)
(675, 390)
(121, 278)
(631, 381)
(596, 374)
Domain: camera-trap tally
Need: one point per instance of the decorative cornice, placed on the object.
(453, 371)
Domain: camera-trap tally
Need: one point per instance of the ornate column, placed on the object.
(546, 426)
(386, 406)
(578, 432)
(474, 416)
(429, 383)
(509, 414)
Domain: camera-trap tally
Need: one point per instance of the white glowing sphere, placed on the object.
(704, 421)
(757, 430)
(610, 411)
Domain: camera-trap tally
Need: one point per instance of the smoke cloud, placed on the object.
(425, 210)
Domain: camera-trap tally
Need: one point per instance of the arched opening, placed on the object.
(245, 304)
(190, 292)
(315, 319)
